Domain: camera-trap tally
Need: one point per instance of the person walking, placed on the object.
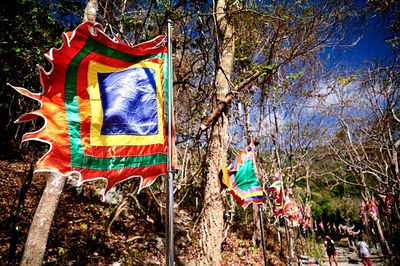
(363, 252)
(330, 250)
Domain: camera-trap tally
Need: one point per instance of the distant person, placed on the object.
(363, 252)
(330, 250)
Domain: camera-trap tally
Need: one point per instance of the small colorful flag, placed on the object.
(307, 223)
(386, 201)
(241, 180)
(105, 106)
(373, 209)
(291, 210)
(363, 212)
(276, 194)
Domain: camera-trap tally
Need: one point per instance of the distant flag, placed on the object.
(307, 223)
(363, 212)
(386, 200)
(105, 107)
(373, 209)
(291, 210)
(297, 219)
(241, 180)
(277, 195)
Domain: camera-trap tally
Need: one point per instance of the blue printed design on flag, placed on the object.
(129, 101)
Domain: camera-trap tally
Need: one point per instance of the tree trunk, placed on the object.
(212, 222)
(256, 239)
(35, 245)
(90, 11)
(382, 240)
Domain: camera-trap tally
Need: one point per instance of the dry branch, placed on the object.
(223, 104)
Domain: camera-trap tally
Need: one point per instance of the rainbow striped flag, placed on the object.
(241, 180)
(105, 106)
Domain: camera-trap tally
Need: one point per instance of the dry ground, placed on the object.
(79, 236)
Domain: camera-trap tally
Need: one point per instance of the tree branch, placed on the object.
(223, 104)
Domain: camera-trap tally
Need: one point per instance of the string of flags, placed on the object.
(285, 206)
(241, 181)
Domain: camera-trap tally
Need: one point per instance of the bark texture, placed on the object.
(90, 11)
(382, 240)
(35, 245)
(212, 222)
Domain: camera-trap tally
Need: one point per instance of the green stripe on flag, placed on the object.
(78, 158)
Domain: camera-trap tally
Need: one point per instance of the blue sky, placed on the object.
(371, 46)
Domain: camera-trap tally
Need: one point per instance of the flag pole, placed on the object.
(288, 241)
(260, 212)
(260, 208)
(170, 189)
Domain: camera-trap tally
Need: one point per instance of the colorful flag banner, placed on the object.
(105, 106)
(363, 212)
(241, 180)
(291, 210)
(386, 201)
(307, 223)
(373, 209)
(296, 219)
(276, 194)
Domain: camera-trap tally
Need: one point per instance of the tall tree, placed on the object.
(212, 222)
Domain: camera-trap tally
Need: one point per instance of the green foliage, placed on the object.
(395, 41)
(310, 247)
(326, 204)
(294, 76)
(29, 29)
(252, 249)
(61, 251)
(390, 11)
(243, 217)
(346, 80)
